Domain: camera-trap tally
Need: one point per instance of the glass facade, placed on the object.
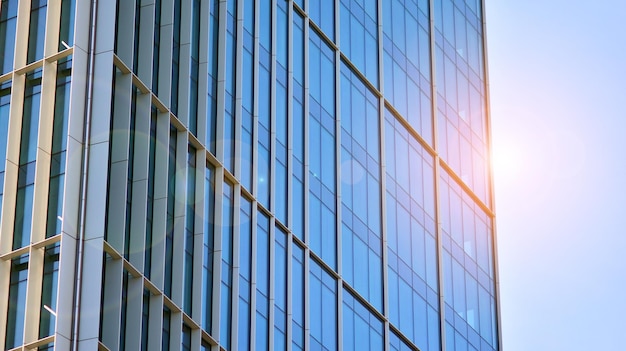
(235, 175)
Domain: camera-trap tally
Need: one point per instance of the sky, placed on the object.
(557, 72)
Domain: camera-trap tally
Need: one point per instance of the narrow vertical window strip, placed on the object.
(17, 302)
(297, 127)
(150, 196)
(297, 298)
(186, 339)
(208, 247)
(230, 85)
(124, 310)
(8, 20)
(156, 45)
(245, 274)
(175, 58)
(37, 31)
(264, 104)
(165, 331)
(262, 282)
(27, 160)
(280, 290)
(189, 230)
(66, 31)
(49, 289)
(247, 103)
(196, 9)
(5, 104)
(211, 118)
(281, 107)
(130, 168)
(171, 200)
(59, 147)
(227, 266)
(145, 320)
(137, 29)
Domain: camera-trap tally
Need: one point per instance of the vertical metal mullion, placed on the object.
(306, 234)
(383, 177)
(289, 220)
(253, 254)
(338, 210)
(272, 204)
(307, 297)
(235, 264)
(254, 190)
(437, 166)
(272, 282)
(289, 312)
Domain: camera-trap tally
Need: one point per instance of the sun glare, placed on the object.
(507, 162)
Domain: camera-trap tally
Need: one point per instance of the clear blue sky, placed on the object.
(558, 99)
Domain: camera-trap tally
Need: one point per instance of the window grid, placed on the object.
(315, 33)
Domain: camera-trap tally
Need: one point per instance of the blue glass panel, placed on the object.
(37, 30)
(412, 269)
(186, 339)
(359, 36)
(156, 46)
(323, 307)
(145, 319)
(150, 194)
(190, 220)
(5, 103)
(247, 103)
(469, 286)
(28, 154)
(230, 85)
(361, 329)
(175, 58)
(171, 201)
(322, 12)
(165, 334)
(281, 132)
(322, 180)
(66, 32)
(137, 28)
(130, 170)
(297, 298)
(211, 118)
(263, 281)
(227, 265)
(360, 166)
(194, 67)
(245, 274)
(406, 43)
(280, 290)
(17, 302)
(49, 289)
(8, 20)
(208, 247)
(264, 104)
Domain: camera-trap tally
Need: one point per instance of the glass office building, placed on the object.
(245, 175)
